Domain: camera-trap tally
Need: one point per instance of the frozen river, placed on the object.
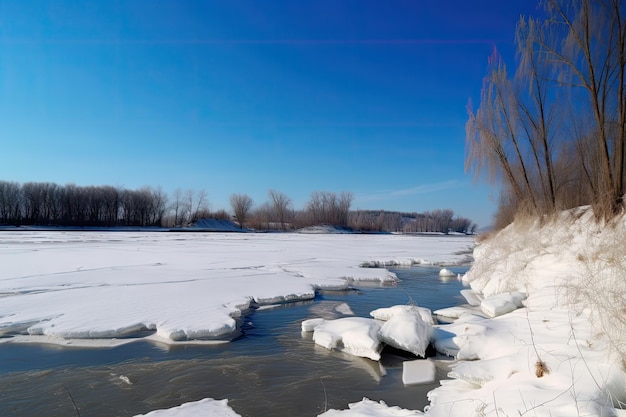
(271, 370)
(157, 292)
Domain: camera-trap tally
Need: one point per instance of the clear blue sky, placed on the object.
(247, 95)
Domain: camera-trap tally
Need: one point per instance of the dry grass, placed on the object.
(601, 290)
(541, 369)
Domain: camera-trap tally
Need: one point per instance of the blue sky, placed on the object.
(243, 96)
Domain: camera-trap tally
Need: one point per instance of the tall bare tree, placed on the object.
(493, 136)
(201, 204)
(586, 40)
(536, 110)
(572, 66)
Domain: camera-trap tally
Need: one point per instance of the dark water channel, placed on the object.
(271, 370)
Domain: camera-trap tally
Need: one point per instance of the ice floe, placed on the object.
(446, 273)
(180, 287)
(207, 407)
(406, 330)
(356, 336)
(418, 372)
(369, 408)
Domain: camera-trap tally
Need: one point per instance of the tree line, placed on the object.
(50, 204)
(553, 132)
(436, 221)
(45, 203)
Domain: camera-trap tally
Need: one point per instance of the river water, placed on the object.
(271, 370)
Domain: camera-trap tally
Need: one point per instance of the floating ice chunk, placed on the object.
(369, 408)
(203, 408)
(407, 331)
(385, 314)
(357, 336)
(421, 371)
(473, 298)
(125, 380)
(446, 273)
(330, 310)
(344, 309)
(311, 324)
(500, 304)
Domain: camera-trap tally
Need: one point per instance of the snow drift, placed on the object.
(555, 356)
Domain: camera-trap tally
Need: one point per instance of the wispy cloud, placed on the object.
(404, 192)
(226, 41)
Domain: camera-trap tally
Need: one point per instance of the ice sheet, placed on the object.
(181, 286)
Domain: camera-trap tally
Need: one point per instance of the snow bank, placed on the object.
(216, 225)
(324, 229)
(499, 304)
(473, 298)
(207, 407)
(549, 358)
(560, 351)
(180, 287)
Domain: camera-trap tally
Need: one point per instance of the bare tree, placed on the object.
(10, 211)
(261, 217)
(280, 205)
(177, 207)
(572, 66)
(241, 204)
(493, 137)
(585, 40)
(201, 204)
(329, 208)
(536, 111)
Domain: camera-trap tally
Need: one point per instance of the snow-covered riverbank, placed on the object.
(562, 353)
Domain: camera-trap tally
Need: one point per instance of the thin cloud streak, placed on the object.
(420, 189)
(414, 41)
